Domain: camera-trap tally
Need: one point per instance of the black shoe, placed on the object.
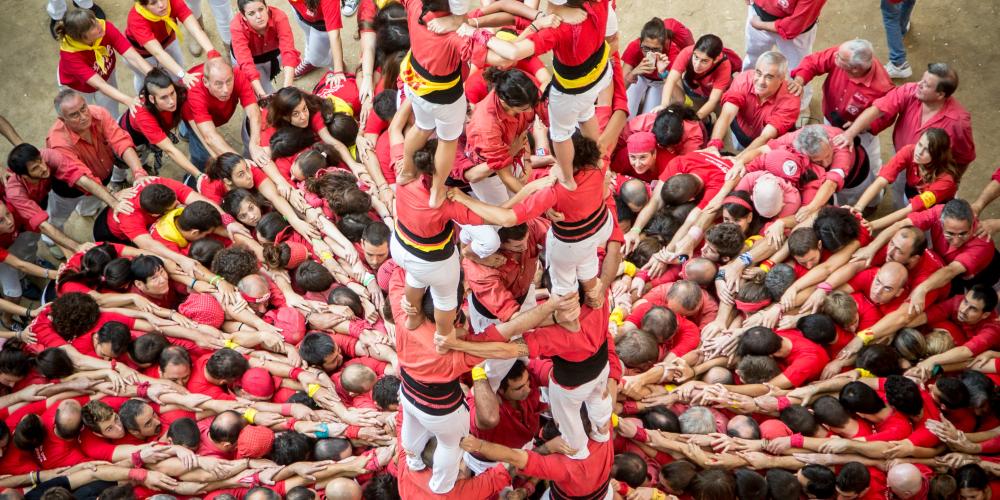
(52, 28)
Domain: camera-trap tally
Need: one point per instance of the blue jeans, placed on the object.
(196, 150)
(895, 17)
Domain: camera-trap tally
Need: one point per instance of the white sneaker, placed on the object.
(898, 72)
(349, 7)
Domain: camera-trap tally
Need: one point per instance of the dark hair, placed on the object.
(378, 233)
(799, 420)
(287, 141)
(52, 363)
(986, 295)
(801, 241)
(750, 485)
(115, 333)
(903, 394)
(57, 493)
(281, 104)
(353, 226)
(818, 328)
(739, 211)
(302, 398)
(836, 227)
(391, 61)
(232, 200)
(423, 158)
(200, 216)
(755, 369)
(681, 188)
(205, 250)
(972, 476)
(958, 209)
(783, 484)
(242, 4)
(144, 267)
(117, 275)
(939, 149)
(315, 347)
(512, 86)
(343, 127)
(587, 153)
(759, 341)
(822, 481)
(828, 411)
(661, 322)
(290, 447)
(381, 487)
(953, 393)
(14, 361)
(331, 448)
(158, 77)
(299, 493)
(344, 296)
(857, 397)
(270, 225)
(778, 280)
(678, 474)
(727, 238)
(879, 359)
(74, 314)
(222, 167)
(75, 24)
(92, 265)
(948, 78)
(317, 157)
(384, 105)
(234, 263)
(29, 433)
(174, 355)
(660, 418)
(630, 469)
(853, 478)
(386, 391)
(226, 427)
(311, 276)
(226, 364)
(21, 156)
(668, 127)
(714, 484)
(145, 350)
(129, 411)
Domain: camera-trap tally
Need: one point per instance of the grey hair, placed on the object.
(861, 52)
(811, 138)
(697, 420)
(958, 209)
(63, 96)
(774, 58)
(162, 496)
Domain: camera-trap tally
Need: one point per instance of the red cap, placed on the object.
(641, 142)
(203, 308)
(254, 442)
(298, 253)
(773, 429)
(785, 164)
(258, 383)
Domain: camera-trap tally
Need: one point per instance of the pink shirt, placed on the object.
(902, 108)
(780, 110)
(844, 97)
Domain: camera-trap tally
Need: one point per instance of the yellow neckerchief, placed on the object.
(382, 3)
(101, 54)
(167, 227)
(340, 105)
(149, 16)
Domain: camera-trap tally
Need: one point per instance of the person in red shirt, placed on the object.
(699, 74)
(915, 107)
(19, 236)
(153, 30)
(321, 24)
(652, 140)
(506, 414)
(758, 106)
(153, 124)
(87, 48)
(263, 45)
(211, 104)
(931, 177)
(789, 25)
(648, 57)
(971, 259)
(417, 483)
(973, 315)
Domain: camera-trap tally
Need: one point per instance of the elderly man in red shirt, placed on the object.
(855, 79)
(90, 135)
(789, 25)
(758, 106)
(915, 107)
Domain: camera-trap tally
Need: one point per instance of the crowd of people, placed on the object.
(642, 271)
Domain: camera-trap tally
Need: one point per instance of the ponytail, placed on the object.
(75, 24)
(276, 256)
(221, 168)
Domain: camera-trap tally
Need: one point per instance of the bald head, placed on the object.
(718, 375)
(254, 285)
(889, 283)
(634, 194)
(218, 78)
(68, 419)
(700, 270)
(343, 488)
(357, 378)
(857, 53)
(904, 480)
(217, 67)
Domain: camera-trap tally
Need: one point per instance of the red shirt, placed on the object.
(441, 54)
(48, 337)
(345, 90)
(201, 106)
(146, 124)
(207, 448)
(709, 168)
(576, 205)
(500, 289)
(806, 360)
(894, 428)
(980, 336)
(327, 15)
(684, 340)
(573, 44)
(415, 484)
(107, 141)
(277, 37)
(413, 211)
(24, 194)
(555, 341)
(902, 108)
(56, 451)
(75, 68)
(141, 31)
(491, 131)
(928, 264)
(657, 296)
(937, 190)
(575, 478)
(781, 110)
(974, 255)
(718, 77)
(198, 382)
(843, 95)
(692, 140)
(838, 171)
(794, 16)
(519, 421)
(681, 40)
(129, 226)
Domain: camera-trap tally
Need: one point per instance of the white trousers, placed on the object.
(317, 50)
(419, 427)
(571, 263)
(24, 247)
(644, 95)
(497, 369)
(796, 49)
(441, 276)
(484, 239)
(222, 11)
(566, 111)
(446, 120)
(174, 49)
(565, 404)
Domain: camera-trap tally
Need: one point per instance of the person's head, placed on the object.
(255, 12)
(713, 484)
(317, 157)
(218, 78)
(304, 493)
(973, 482)
(111, 340)
(699, 270)
(675, 477)
(814, 142)
(828, 411)
(244, 205)
(357, 379)
(950, 393)
(836, 227)
(175, 365)
(381, 487)
(977, 304)
(879, 359)
(723, 242)
(332, 449)
(660, 322)
(160, 94)
(904, 480)
(516, 91)
(749, 485)
(910, 344)
(102, 420)
(718, 375)
(29, 433)
(853, 481)
(198, 220)
(799, 420)
(641, 148)
(232, 170)
(742, 426)
(957, 219)
(375, 244)
(660, 418)
(770, 73)
(842, 309)
(157, 199)
(933, 154)
(630, 469)
(760, 341)
(184, 432)
(150, 276)
(290, 447)
(684, 298)
(981, 391)
(668, 127)
(386, 393)
(889, 283)
(516, 385)
(637, 349)
(287, 255)
(754, 369)
(939, 340)
(311, 276)
(854, 57)
(256, 291)
(73, 314)
(80, 25)
(52, 363)
(261, 493)
(818, 481)
(783, 484)
(26, 160)
(57, 493)
(938, 83)
(72, 110)
(344, 296)
(906, 247)
(139, 419)
(353, 226)
(204, 250)
(291, 106)
(706, 54)
(123, 492)
(857, 397)
(697, 420)
(224, 431)
(680, 189)
(805, 247)
(738, 208)
(903, 394)
(68, 419)
(318, 349)
(633, 194)
(818, 328)
(752, 296)
(226, 365)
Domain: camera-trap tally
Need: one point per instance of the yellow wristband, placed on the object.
(866, 336)
(325, 256)
(231, 344)
(312, 389)
(614, 420)
(629, 269)
(670, 388)
(864, 373)
(478, 373)
(658, 495)
(618, 316)
(249, 415)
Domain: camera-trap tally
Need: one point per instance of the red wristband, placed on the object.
(137, 475)
(137, 459)
(797, 440)
(783, 402)
(352, 431)
(641, 435)
(630, 408)
(715, 143)
(142, 389)
(642, 274)
(290, 424)
(372, 463)
(294, 375)
(286, 409)
(212, 54)
(114, 364)
(622, 488)
(227, 219)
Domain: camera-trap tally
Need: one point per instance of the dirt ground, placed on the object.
(960, 33)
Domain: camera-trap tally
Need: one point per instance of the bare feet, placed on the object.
(438, 194)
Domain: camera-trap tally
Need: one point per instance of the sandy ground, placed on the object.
(958, 32)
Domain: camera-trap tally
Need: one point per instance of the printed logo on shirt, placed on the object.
(783, 4)
(790, 168)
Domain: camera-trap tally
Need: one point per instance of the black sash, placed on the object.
(576, 373)
(447, 396)
(767, 17)
(598, 494)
